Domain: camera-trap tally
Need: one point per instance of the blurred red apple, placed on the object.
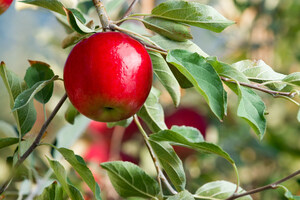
(4, 5)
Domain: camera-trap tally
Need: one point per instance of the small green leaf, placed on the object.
(26, 116)
(184, 139)
(259, 71)
(191, 133)
(53, 5)
(192, 13)
(27, 95)
(170, 162)
(152, 112)
(80, 167)
(5, 142)
(53, 192)
(76, 24)
(130, 181)
(184, 195)
(293, 78)
(170, 29)
(124, 123)
(165, 76)
(40, 71)
(61, 176)
(78, 15)
(219, 190)
(71, 113)
(203, 76)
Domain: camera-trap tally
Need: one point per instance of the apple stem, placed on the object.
(104, 18)
(35, 143)
(160, 174)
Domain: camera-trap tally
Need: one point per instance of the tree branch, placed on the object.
(128, 11)
(104, 18)
(265, 90)
(160, 174)
(35, 143)
(266, 187)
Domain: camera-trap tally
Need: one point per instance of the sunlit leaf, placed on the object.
(130, 181)
(219, 190)
(192, 13)
(53, 192)
(293, 78)
(184, 195)
(53, 5)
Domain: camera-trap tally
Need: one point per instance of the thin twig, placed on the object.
(271, 92)
(266, 187)
(35, 143)
(128, 11)
(160, 175)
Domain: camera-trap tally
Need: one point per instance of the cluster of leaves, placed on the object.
(178, 63)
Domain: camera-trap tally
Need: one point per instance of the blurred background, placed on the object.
(264, 29)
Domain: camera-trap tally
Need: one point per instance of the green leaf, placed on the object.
(124, 123)
(250, 106)
(204, 78)
(53, 5)
(170, 45)
(26, 116)
(184, 139)
(76, 24)
(170, 29)
(293, 78)
(61, 176)
(184, 195)
(27, 95)
(80, 167)
(259, 71)
(40, 71)
(130, 181)
(290, 196)
(71, 113)
(219, 190)
(170, 162)
(78, 15)
(191, 133)
(152, 112)
(165, 76)
(53, 192)
(192, 13)
(5, 142)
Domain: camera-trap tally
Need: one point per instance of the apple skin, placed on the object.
(4, 5)
(108, 76)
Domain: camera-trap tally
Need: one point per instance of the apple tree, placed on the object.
(108, 78)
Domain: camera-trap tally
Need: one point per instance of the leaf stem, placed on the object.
(160, 175)
(265, 90)
(35, 143)
(128, 11)
(266, 187)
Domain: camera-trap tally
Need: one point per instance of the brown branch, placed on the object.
(128, 11)
(35, 143)
(266, 187)
(265, 90)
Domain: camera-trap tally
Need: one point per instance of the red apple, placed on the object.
(108, 76)
(4, 5)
